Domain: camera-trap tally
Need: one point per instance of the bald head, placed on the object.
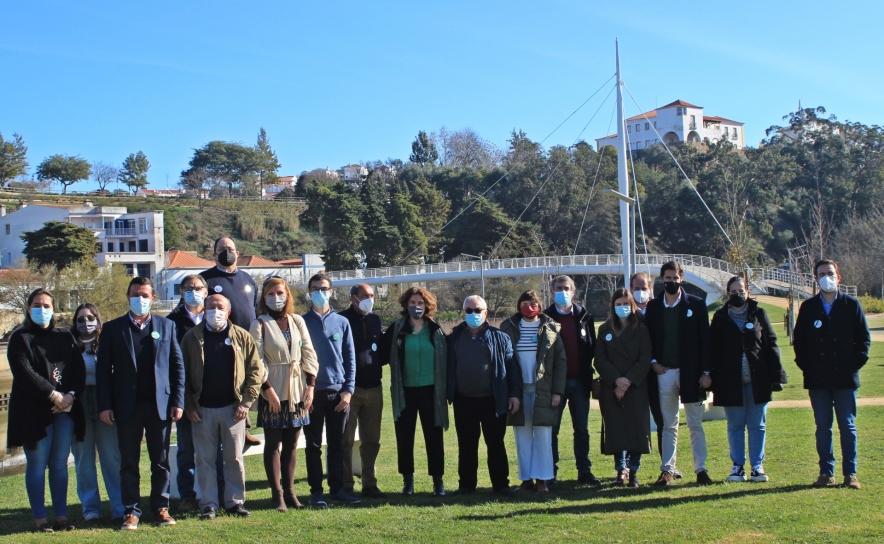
(359, 294)
(217, 302)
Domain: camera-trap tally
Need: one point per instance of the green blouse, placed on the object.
(419, 359)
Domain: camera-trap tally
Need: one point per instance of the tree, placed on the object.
(405, 216)
(199, 182)
(268, 164)
(338, 211)
(13, 159)
(59, 244)
(423, 150)
(18, 281)
(134, 172)
(434, 210)
(104, 173)
(227, 162)
(385, 242)
(64, 169)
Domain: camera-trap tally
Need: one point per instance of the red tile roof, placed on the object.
(681, 104)
(187, 259)
(650, 114)
(254, 260)
(292, 262)
(720, 120)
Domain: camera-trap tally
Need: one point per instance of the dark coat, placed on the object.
(550, 370)
(182, 321)
(627, 426)
(116, 373)
(758, 340)
(32, 351)
(506, 378)
(693, 341)
(831, 354)
(587, 340)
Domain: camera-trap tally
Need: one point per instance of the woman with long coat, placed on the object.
(623, 359)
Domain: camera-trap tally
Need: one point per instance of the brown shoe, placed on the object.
(163, 517)
(825, 481)
(541, 487)
(373, 493)
(703, 478)
(63, 525)
(251, 441)
(527, 485)
(130, 522)
(188, 505)
(664, 479)
(291, 500)
(852, 482)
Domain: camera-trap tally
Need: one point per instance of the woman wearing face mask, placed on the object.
(544, 366)
(99, 436)
(745, 370)
(290, 368)
(417, 353)
(623, 359)
(45, 415)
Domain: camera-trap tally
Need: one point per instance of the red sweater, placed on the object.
(571, 339)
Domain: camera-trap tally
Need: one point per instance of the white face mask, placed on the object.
(641, 296)
(216, 318)
(366, 305)
(275, 302)
(828, 284)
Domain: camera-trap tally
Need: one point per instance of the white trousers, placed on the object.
(533, 444)
(669, 385)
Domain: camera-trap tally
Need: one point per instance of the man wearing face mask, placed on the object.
(484, 384)
(367, 403)
(578, 336)
(140, 386)
(679, 327)
(335, 382)
(832, 343)
(223, 376)
(641, 291)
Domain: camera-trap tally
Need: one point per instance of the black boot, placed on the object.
(438, 487)
(408, 484)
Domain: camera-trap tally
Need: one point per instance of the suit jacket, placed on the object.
(116, 373)
(693, 341)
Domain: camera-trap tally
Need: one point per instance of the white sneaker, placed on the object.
(758, 474)
(737, 474)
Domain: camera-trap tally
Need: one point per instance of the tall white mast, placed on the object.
(622, 175)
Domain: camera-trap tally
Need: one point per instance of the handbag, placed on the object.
(597, 388)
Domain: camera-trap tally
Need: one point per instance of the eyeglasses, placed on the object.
(320, 289)
(530, 304)
(473, 310)
(191, 288)
(85, 318)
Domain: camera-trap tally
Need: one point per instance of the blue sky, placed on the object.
(340, 82)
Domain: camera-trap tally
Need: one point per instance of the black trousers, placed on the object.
(656, 413)
(475, 417)
(419, 401)
(323, 413)
(144, 422)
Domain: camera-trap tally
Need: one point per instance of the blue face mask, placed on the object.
(563, 298)
(622, 311)
(41, 316)
(139, 305)
(320, 298)
(474, 321)
(193, 298)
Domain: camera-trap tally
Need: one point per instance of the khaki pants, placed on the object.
(366, 411)
(217, 424)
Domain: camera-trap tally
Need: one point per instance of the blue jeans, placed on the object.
(844, 403)
(187, 461)
(102, 437)
(748, 416)
(577, 399)
(52, 451)
(628, 459)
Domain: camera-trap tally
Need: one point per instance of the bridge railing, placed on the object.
(802, 282)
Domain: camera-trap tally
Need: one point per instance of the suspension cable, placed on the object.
(592, 189)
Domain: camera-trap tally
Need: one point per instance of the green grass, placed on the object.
(783, 510)
(871, 376)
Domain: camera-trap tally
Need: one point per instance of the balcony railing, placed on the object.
(692, 126)
(118, 232)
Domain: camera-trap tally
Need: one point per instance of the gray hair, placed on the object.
(195, 277)
(227, 300)
(478, 298)
(562, 279)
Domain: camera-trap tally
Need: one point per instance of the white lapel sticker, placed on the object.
(750, 326)
(218, 288)
(248, 288)
(609, 337)
(582, 332)
(690, 313)
(818, 323)
(155, 335)
(227, 341)
(374, 347)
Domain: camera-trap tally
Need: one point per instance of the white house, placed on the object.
(353, 172)
(676, 123)
(133, 239)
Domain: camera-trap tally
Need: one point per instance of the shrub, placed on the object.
(871, 304)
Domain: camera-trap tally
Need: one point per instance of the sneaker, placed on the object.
(676, 474)
(758, 474)
(825, 481)
(633, 478)
(589, 478)
(238, 511)
(665, 478)
(438, 486)
(342, 496)
(622, 476)
(737, 474)
(704, 479)
(188, 505)
(373, 493)
(852, 482)
(208, 513)
(130, 522)
(91, 516)
(317, 500)
(163, 517)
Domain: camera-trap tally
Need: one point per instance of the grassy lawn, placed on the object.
(784, 510)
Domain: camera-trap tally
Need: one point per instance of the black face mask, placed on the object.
(737, 300)
(226, 258)
(671, 287)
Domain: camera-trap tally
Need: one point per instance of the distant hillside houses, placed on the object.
(677, 122)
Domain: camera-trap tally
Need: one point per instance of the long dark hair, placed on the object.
(92, 308)
(34, 294)
(615, 319)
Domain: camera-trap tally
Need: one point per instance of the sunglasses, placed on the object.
(85, 318)
(473, 310)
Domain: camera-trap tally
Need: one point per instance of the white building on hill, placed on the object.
(677, 123)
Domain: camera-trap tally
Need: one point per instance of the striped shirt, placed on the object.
(527, 350)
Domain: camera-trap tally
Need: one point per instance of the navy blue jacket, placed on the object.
(506, 376)
(240, 289)
(333, 342)
(830, 349)
(116, 372)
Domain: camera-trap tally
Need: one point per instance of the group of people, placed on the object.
(231, 347)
